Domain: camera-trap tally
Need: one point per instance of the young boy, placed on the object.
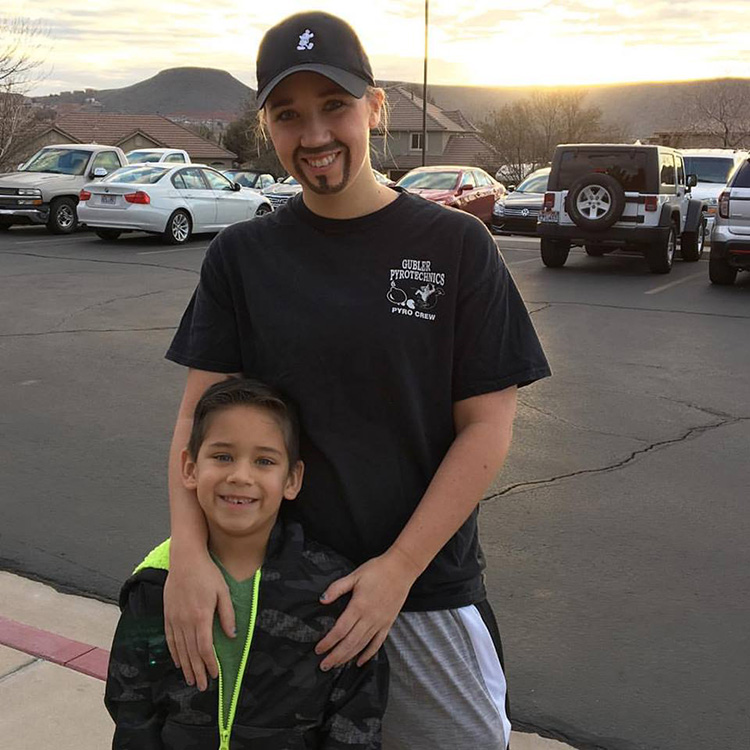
(242, 460)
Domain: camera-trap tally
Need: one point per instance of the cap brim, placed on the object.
(351, 83)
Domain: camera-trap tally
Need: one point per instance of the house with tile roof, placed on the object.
(451, 138)
(129, 132)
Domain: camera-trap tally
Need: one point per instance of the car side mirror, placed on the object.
(99, 172)
(236, 187)
(511, 188)
(692, 180)
(465, 188)
(20, 167)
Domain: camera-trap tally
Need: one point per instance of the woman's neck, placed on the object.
(361, 198)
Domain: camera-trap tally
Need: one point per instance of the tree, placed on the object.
(721, 109)
(509, 131)
(247, 139)
(20, 64)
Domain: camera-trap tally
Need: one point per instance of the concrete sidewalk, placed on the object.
(53, 652)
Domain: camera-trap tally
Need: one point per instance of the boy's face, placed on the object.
(242, 472)
(321, 132)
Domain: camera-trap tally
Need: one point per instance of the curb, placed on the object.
(65, 652)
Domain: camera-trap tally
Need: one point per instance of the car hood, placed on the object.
(523, 200)
(705, 190)
(280, 189)
(433, 195)
(37, 179)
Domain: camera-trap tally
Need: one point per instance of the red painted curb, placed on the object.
(54, 648)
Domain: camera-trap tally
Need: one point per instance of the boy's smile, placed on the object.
(241, 473)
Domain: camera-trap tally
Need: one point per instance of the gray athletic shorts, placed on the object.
(447, 687)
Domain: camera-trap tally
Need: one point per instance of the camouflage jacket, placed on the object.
(285, 701)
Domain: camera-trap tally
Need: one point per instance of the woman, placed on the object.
(394, 325)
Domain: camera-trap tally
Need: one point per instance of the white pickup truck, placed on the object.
(45, 189)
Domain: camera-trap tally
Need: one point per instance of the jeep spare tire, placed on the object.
(596, 202)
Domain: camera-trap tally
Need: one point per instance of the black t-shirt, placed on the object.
(374, 326)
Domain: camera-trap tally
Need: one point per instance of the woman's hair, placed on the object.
(245, 392)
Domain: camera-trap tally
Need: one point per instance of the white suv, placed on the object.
(608, 196)
(730, 240)
(713, 168)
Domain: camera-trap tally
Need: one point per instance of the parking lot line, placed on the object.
(521, 262)
(658, 289)
(172, 250)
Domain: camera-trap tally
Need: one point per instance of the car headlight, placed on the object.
(29, 191)
(712, 201)
(499, 209)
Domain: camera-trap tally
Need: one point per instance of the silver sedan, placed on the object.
(173, 201)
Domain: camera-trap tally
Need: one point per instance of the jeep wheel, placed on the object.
(596, 202)
(595, 251)
(263, 209)
(554, 252)
(109, 235)
(178, 229)
(62, 216)
(720, 272)
(5, 226)
(660, 255)
(692, 243)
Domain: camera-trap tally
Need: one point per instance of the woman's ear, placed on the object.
(189, 478)
(294, 481)
(375, 100)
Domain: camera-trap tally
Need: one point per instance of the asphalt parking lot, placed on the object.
(616, 536)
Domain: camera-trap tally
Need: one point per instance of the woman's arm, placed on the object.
(484, 427)
(195, 587)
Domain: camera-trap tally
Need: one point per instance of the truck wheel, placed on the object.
(554, 252)
(63, 218)
(178, 229)
(595, 202)
(692, 243)
(5, 226)
(720, 272)
(660, 255)
(595, 251)
(264, 208)
(109, 235)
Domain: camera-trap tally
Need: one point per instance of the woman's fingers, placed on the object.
(169, 633)
(338, 588)
(373, 648)
(356, 640)
(226, 614)
(196, 662)
(347, 620)
(183, 657)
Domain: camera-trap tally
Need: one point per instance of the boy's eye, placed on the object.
(223, 457)
(266, 462)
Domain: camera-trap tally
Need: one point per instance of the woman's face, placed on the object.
(320, 132)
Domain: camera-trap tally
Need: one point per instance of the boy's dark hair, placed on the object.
(245, 392)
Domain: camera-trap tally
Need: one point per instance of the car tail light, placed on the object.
(549, 201)
(84, 195)
(651, 203)
(724, 205)
(138, 197)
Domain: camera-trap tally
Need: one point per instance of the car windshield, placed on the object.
(289, 180)
(714, 169)
(59, 161)
(628, 167)
(429, 180)
(534, 183)
(140, 157)
(137, 175)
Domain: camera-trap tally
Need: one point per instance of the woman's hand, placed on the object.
(194, 590)
(379, 589)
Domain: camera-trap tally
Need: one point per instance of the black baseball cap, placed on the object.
(317, 42)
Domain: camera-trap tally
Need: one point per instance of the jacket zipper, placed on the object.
(225, 729)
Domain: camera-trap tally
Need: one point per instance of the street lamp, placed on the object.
(424, 83)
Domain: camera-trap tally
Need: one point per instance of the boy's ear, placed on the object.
(294, 481)
(189, 479)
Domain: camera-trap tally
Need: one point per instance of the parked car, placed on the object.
(174, 201)
(280, 192)
(158, 155)
(382, 178)
(607, 196)
(518, 211)
(712, 167)
(45, 189)
(468, 188)
(250, 178)
(730, 239)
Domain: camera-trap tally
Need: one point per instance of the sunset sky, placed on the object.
(111, 43)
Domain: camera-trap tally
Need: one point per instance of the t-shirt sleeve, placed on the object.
(207, 337)
(496, 345)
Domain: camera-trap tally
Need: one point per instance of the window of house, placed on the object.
(416, 141)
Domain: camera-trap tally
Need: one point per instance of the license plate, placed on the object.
(548, 216)
(109, 199)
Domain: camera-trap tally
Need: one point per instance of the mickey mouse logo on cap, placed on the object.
(304, 40)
